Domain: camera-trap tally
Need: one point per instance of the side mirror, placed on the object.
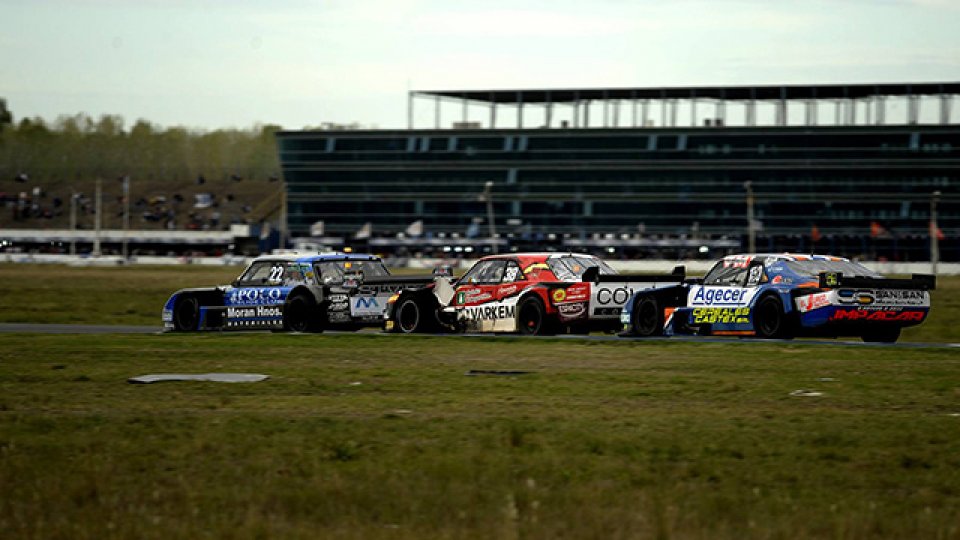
(443, 270)
(235, 283)
(591, 274)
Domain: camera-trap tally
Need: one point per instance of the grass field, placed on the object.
(379, 436)
(358, 436)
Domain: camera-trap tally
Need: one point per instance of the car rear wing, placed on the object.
(593, 275)
(833, 280)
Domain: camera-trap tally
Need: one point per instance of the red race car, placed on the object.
(529, 293)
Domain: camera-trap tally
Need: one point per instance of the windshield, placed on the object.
(490, 271)
(277, 273)
(724, 273)
(331, 272)
(572, 267)
(847, 268)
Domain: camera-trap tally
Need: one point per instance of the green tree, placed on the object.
(6, 117)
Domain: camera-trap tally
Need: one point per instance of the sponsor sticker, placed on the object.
(489, 313)
(710, 295)
(714, 315)
(572, 311)
(813, 301)
(255, 296)
(885, 315)
(257, 312)
(558, 295)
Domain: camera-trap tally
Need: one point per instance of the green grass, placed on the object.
(359, 436)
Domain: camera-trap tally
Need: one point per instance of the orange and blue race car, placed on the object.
(526, 293)
(783, 296)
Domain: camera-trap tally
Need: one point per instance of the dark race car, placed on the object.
(529, 293)
(298, 293)
(783, 296)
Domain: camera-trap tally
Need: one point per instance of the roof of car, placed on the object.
(785, 257)
(537, 254)
(312, 257)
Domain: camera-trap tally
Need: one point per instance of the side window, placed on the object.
(512, 273)
(330, 273)
(263, 272)
(755, 275)
(485, 272)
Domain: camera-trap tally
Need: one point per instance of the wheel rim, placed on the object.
(646, 318)
(530, 319)
(409, 316)
(187, 314)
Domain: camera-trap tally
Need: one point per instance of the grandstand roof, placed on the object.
(755, 92)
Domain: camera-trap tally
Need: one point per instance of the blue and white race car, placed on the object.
(783, 296)
(297, 293)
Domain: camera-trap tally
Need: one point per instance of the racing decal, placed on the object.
(536, 267)
(883, 315)
(715, 315)
(473, 296)
(255, 295)
(368, 305)
(489, 313)
(558, 295)
(572, 310)
(883, 297)
(737, 262)
(254, 312)
(811, 302)
(508, 290)
(720, 296)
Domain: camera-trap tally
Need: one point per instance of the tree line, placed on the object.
(79, 147)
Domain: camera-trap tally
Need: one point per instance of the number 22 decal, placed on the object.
(276, 273)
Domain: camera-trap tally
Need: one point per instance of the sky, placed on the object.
(211, 64)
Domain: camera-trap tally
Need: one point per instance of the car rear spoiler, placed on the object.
(833, 280)
(593, 275)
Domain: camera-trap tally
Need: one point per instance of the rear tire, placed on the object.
(409, 316)
(532, 318)
(647, 317)
(885, 335)
(300, 315)
(186, 314)
(769, 320)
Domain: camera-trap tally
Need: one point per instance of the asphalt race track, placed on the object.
(32, 328)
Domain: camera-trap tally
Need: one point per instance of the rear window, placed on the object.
(571, 268)
(847, 268)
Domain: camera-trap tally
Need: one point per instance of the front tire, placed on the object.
(769, 320)
(647, 317)
(186, 314)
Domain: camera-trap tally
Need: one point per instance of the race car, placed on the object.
(296, 293)
(528, 293)
(783, 296)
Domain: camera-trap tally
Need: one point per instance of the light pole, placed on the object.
(751, 231)
(487, 196)
(126, 214)
(934, 241)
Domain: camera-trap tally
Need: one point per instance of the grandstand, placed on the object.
(643, 172)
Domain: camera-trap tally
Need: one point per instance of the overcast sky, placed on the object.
(233, 63)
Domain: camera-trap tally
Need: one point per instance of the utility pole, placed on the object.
(934, 241)
(126, 214)
(99, 212)
(487, 196)
(73, 222)
(751, 229)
